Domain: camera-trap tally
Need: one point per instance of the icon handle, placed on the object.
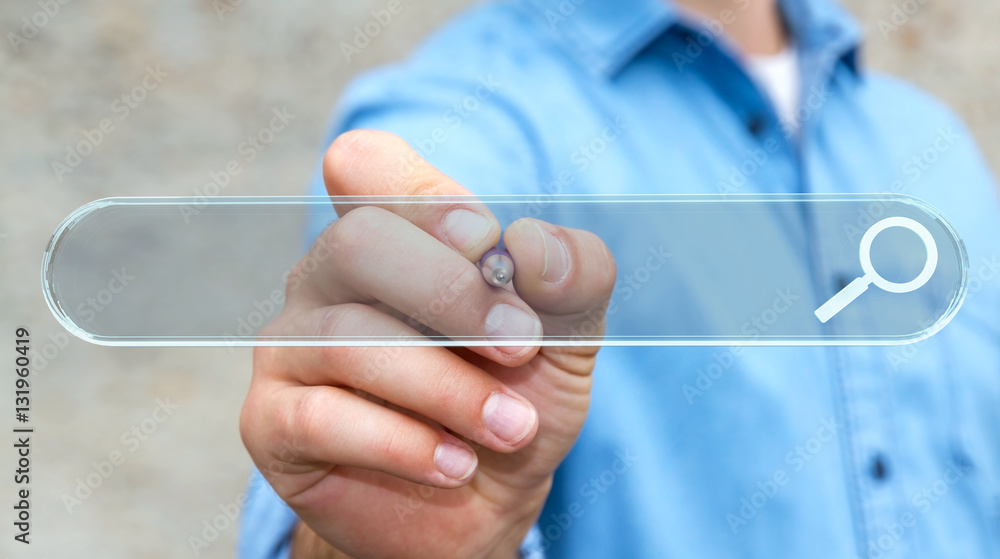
(837, 303)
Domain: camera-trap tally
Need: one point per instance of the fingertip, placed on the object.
(374, 162)
(455, 461)
(343, 153)
(556, 261)
(560, 270)
(506, 322)
(511, 419)
(541, 249)
(472, 231)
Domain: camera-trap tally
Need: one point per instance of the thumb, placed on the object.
(566, 276)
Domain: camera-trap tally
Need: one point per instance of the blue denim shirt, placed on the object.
(820, 452)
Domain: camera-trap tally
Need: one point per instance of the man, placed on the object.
(781, 452)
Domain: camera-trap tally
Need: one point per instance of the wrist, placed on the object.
(515, 526)
(307, 545)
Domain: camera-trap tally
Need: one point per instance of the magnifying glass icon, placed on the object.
(854, 289)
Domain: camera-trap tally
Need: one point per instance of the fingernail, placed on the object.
(454, 461)
(556, 257)
(508, 418)
(506, 322)
(464, 229)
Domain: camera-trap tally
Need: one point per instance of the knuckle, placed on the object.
(458, 283)
(348, 362)
(393, 445)
(307, 413)
(265, 358)
(452, 389)
(266, 365)
(347, 237)
(272, 329)
(332, 319)
(368, 365)
(249, 414)
(343, 232)
(344, 240)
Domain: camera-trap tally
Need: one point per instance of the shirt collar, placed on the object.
(605, 35)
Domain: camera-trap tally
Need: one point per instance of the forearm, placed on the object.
(307, 545)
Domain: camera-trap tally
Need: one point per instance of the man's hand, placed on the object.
(423, 451)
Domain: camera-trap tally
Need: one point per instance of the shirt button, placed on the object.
(756, 125)
(879, 470)
(962, 461)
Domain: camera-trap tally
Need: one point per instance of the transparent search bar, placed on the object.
(692, 270)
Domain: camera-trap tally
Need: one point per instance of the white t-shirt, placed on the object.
(778, 74)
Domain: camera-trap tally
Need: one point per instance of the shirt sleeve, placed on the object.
(465, 129)
(266, 522)
(470, 134)
(532, 547)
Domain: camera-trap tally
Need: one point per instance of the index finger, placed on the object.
(376, 163)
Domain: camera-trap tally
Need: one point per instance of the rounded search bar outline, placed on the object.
(872, 203)
(853, 290)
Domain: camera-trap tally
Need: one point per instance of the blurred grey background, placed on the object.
(219, 68)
